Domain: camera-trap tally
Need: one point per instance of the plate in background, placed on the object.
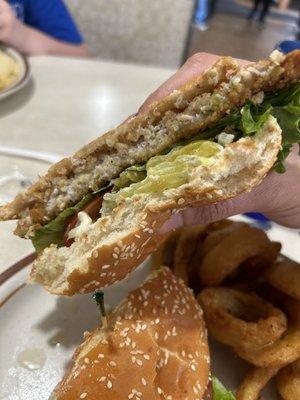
(48, 328)
(24, 76)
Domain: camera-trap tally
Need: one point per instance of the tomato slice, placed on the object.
(92, 208)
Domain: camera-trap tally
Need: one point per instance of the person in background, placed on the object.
(201, 14)
(266, 4)
(36, 27)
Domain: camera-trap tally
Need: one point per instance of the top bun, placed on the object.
(154, 347)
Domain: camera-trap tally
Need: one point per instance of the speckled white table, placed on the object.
(67, 103)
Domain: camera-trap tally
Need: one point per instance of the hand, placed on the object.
(278, 194)
(10, 27)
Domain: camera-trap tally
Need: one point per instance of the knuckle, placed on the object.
(197, 58)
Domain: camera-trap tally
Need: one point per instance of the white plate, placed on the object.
(25, 72)
(30, 318)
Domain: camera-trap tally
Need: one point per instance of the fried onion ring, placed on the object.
(254, 382)
(285, 276)
(241, 319)
(288, 381)
(242, 244)
(284, 351)
(185, 249)
(216, 232)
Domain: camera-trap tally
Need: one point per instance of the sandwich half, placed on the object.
(95, 216)
(153, 347)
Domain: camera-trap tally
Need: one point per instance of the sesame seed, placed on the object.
(159, 390)
(109, 384)
(83, 395)
(139, 362)
(144, 381)
(86, 360)
(112, 363)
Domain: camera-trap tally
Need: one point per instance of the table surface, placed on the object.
(67, 103)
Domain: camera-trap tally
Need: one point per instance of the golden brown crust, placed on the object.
(288, 381)
(155, 347)
(34, 198)
(180, 115)
(285, 276)
(111, 260)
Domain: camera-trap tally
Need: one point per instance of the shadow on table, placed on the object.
(17, 100)
(70, 318)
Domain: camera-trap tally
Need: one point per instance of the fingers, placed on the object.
(193, 67)
(4, 6)
(209, 213)
(277, 196)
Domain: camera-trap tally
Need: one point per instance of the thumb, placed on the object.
(209, 213)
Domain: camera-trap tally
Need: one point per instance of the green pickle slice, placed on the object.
(170, 170)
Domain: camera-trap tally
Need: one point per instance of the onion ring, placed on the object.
(254, 382)
(284, 351)
(216, 232)
(241, 319)
(288, 381)
(242, 244)
(285, 276)
(185, 249)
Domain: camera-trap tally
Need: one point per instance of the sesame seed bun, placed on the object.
(116, 244)
(154, 347)
(180, 115)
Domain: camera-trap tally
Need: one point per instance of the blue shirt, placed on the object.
(49, 16)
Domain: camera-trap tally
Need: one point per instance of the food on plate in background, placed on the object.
(285, 276)
(259, 319)
(9, 70)
(288, 381)
(254, 382)
(241, 319)
(199, 145)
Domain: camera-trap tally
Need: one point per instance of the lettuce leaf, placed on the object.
(53, 232)
(250, 122)
(286, 109)
(220, 392)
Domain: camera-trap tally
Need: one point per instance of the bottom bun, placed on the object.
(154, 347)
(116, 244)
